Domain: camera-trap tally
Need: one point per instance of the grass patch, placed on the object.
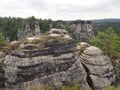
(39, 41)
(110, 88)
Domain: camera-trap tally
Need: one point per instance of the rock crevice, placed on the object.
(97, 65)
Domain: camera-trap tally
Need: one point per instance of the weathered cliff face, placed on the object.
(83, 30)
(30, 30)
(52, 59)
(55, 63)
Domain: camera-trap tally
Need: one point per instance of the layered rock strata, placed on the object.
(52, 59)
(54, 64)
(97, 65)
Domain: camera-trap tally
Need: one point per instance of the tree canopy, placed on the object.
(108, 41)
(10, 25)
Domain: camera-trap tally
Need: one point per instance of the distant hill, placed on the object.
(105, 20)
(103, 24)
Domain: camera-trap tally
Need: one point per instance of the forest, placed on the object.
(10, 25)
(103, 25)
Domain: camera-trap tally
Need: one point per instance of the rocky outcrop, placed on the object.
(97, 65)
(7, 40)
(54, 63)
(52, 59)
(37, 31)
(2, 76)
(60, 32)
(83, 29)
(30, 30)
(57, 24)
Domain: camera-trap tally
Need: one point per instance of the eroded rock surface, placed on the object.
(98, 66)
(82, 29)
(54, 59)
(54, 63)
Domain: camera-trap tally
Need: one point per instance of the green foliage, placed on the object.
(74, 87)
(70, 87)
(108, 41)
(41, 87)
(9, 26)
(33, 88)
(44, 25)
(48, 87)
(2, 41)
(44, 39)
(110, 88)
(72, 33)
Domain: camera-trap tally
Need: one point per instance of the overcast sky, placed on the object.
(61, 9)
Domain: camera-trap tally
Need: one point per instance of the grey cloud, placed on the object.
(42, 8)
(99, 8)
(38, 4)
(21, 6)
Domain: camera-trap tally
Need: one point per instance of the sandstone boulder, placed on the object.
(60, 32)
(98, 66)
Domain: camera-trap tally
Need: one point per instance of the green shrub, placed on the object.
(49, 87)
(74, 87)
(110, 88)
(33, 88)
(41, 87)
(2, 40)
(108, 41)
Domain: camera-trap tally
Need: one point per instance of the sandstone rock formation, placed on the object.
(20, 34)
(7, 40)
(30, 30)
(97, 65)
(57, 24)
(52, 59)
(60, 32)
(83, 29)
(51, 62)
(60, 24)
(37, 29)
